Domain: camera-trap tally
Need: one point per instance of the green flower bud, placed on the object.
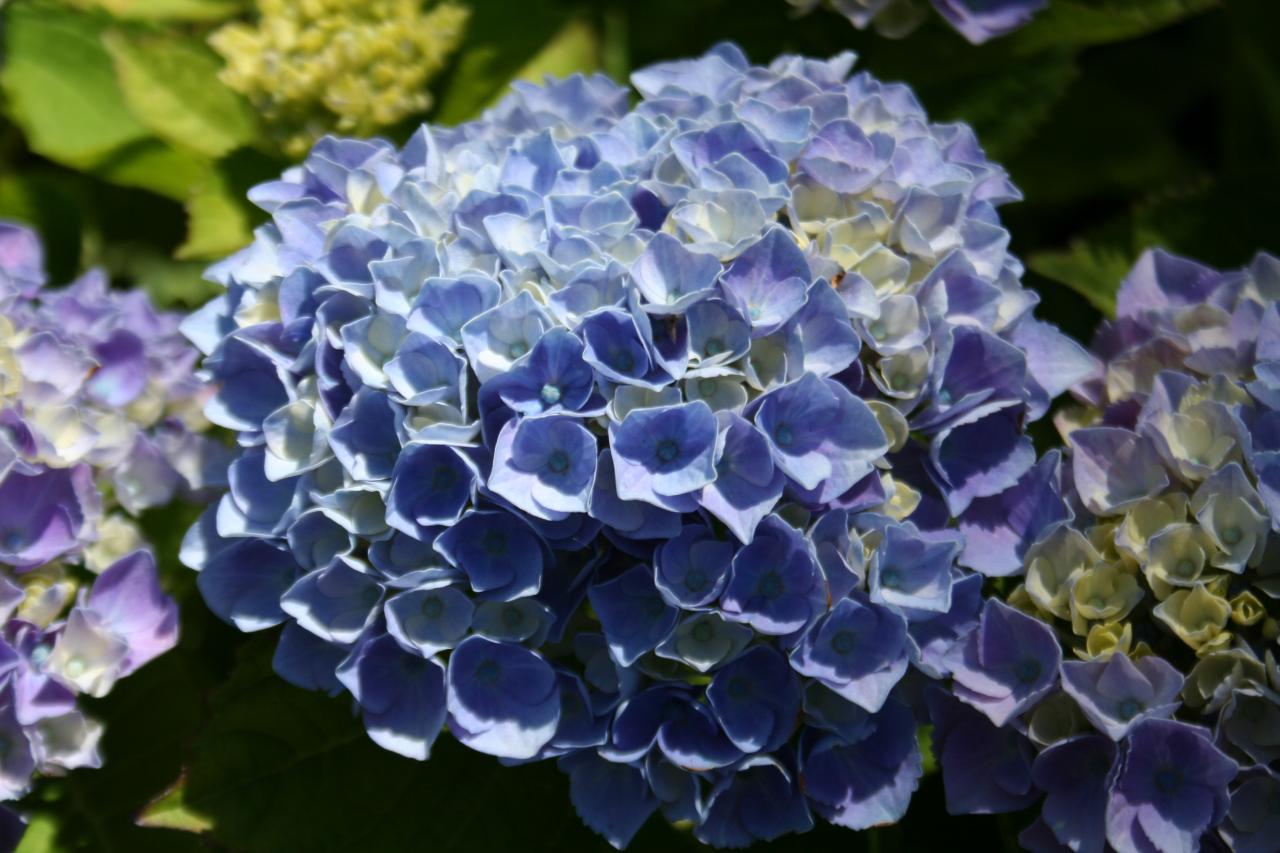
(1214, 677)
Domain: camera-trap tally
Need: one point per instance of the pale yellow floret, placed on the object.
(1197, 616)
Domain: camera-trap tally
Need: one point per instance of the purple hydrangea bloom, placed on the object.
(628, 421)
(977, 21)
(99, 420)
(1006, 663)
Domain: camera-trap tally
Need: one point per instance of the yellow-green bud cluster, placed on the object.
(315, 66)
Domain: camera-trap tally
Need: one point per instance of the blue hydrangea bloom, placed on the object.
(651, 428)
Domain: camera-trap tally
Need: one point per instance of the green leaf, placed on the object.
(171, 84)
(170, 811)
(495, 51)
(1007, 105)
(1091, 22)
(153, 165)
(218, 220)
(60, 86)
(1093, 270)
(165, 10)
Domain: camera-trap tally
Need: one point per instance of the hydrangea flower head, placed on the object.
(99, 420)
(636, 438)
(1163, 588)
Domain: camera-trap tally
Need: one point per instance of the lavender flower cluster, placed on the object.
(1163, 732)
(978, 21)
(656, 440)
(99, 419)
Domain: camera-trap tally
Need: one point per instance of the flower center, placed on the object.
(844, 642)
(1185, 568)
(1232, 535)
(1129, 709)
(667, 450)
(739, 688)
(488, 672)
(1027, 670)
(443, 479)
(550, 394)
(432, 608)
(702, 632)
(877, 330)
(494, 543)
(558, 462)
(944, 396)
(890, 578)
(695, 580)
(624, 361)
(1168, 780)
(713, 346)
(512, 617)
(706, 387)
(783, 435)
(770, 586)
(13, 541)
(517, 349)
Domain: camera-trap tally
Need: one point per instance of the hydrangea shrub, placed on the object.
(99, 420)
(646, 439)
(1150, 721)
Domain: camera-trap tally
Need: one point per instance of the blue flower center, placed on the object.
(770, 586)
(488, 672)
(558, 462)
(624, 361)
(432, 608)
(1168, 780)
(550, 394)
(1185, 568)
(713, 346)
(371, 595)
(512, 616)
(695, 580)
(1027, 670)
(877, 330)
(443, 479)
(1129, 709)
(890, 578)
(667, 450)
(517, 349)
(706, 387)
(40, 654)
(654, 607)
(755, 312)
(13, 541)
(944, 396)
(702, 632)
(844, 642)
(783, 435)
(1232, 535)
(494, 543)
(739, 689)
(899, 381)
